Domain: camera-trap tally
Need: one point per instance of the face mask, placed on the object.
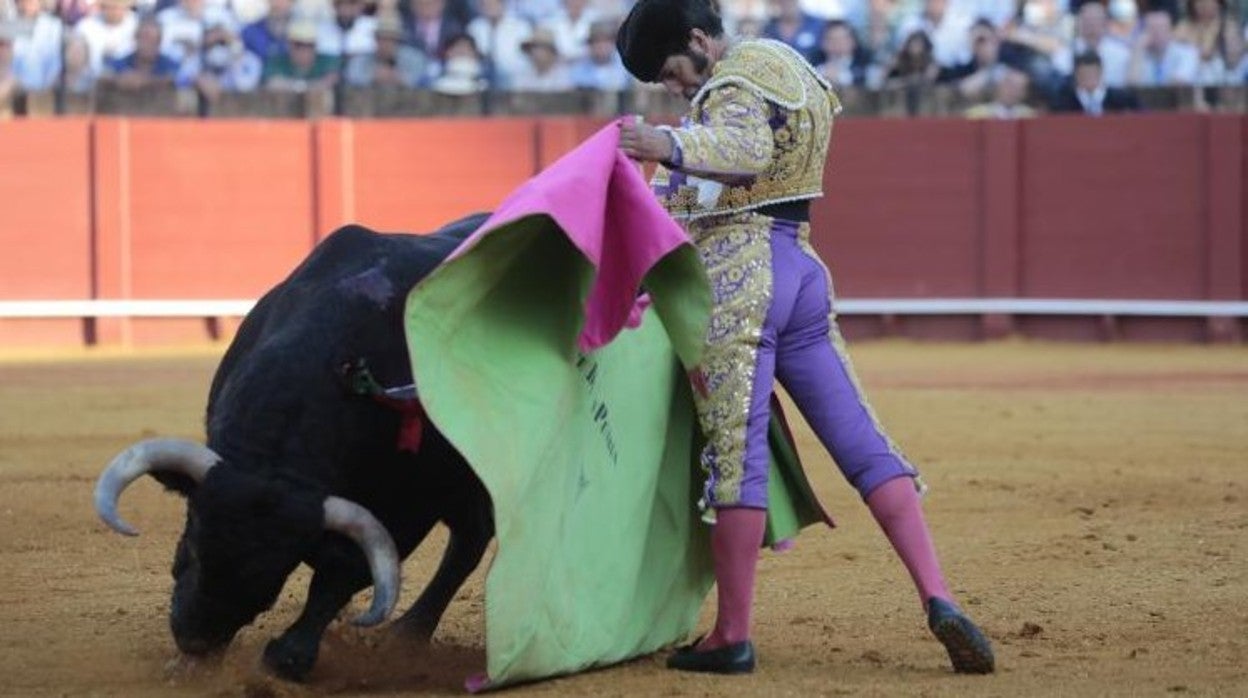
(1034, 15)
(218, 56)
(1122, 9)
(463, 65)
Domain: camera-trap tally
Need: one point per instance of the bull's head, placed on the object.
(244, 536)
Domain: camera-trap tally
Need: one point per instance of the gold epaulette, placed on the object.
(768, 68)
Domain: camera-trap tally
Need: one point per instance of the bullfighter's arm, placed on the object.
(732, 140)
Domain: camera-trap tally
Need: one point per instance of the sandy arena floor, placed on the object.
(1090, 503)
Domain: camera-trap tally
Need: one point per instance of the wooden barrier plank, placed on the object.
(901, 212)
(556, 136)
(208, 209)
(45, 222)
(1224, 157)
(415, 176)
(1114, 207)
(1000, 219)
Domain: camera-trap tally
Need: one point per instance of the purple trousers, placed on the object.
(788, 334)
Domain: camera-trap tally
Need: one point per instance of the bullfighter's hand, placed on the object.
(643, 142)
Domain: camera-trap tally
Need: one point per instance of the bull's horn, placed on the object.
(354, 521)
(172, 455)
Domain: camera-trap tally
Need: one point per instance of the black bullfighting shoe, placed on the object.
(737, 658)
(969, 649)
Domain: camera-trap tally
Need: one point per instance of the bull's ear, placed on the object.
(175, 482)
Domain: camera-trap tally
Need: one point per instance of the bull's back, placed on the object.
(344, 300)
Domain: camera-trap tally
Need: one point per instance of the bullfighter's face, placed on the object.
(244, 536)
(684, 73)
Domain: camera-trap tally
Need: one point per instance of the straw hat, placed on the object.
(301, 32)
(389, 24)
(540, 37)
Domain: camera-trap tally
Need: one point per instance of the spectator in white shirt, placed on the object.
(498, 33)
(946, 26)
(1158, 58)
(182, 26)
(37, 51)
(1092, 34)
(349, 32)
(535, 11)
(852, 11)
(570, 28)
(108, 33)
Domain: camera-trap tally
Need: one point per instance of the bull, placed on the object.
(299, 467)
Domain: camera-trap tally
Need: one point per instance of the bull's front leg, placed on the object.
(293, 654)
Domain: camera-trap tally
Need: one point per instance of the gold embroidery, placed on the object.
(737, 256)
(758, 82)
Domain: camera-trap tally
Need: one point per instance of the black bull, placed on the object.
(299, 468)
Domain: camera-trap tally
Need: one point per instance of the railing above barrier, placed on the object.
(846, 306)
(365, 102)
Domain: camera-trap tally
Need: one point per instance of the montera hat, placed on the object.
(657, 29)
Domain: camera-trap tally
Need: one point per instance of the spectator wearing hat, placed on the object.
(37, 50)
(392, 62)
(1089, 93)
(349, 32)
(570, 28)
(148, 64)
(601, 69)
(108, 34)
(183, 26)
(463, 70)
(544, 72)
(499, 32)
(266, 37)
(301, 68)
(223, 64)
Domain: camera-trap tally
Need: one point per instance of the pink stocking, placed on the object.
(735, 540)
(895, 506)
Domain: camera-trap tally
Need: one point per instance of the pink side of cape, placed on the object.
(601, 201)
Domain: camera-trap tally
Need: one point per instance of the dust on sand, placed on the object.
(1090, 504)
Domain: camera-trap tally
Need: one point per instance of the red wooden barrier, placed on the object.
(1133, 207)
(45, 223)
(414, 176)
(216, 209)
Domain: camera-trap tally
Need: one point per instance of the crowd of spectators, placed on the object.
(1078, 55)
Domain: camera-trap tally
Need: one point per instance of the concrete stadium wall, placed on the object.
(1139, 207)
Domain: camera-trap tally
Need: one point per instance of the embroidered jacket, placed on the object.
(757, 133)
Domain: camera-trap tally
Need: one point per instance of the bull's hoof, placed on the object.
(288, 659)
